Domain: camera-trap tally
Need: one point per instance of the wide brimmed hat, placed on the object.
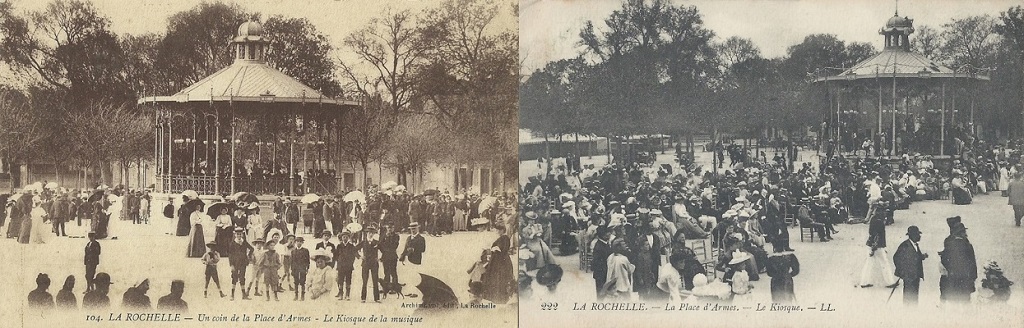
(913, 230)
(739, 257)
(321, 253)
(417, 224)
(549, 275)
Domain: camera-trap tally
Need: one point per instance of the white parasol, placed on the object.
(51, 185)
(388, 185)
(355, 196)
(354, 227)
(310, 198)
(487, 202)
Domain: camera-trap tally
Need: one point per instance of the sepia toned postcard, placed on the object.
(771, 163)
(228, 163)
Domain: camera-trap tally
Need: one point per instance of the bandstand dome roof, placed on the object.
(899, 61)
(248, 80)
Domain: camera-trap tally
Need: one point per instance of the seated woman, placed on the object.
(961, 193)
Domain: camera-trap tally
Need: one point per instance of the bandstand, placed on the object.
(902, 100)
(247, 127)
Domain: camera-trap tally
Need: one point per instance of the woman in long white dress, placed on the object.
(38, 214)
(115, 215)
(255, 228)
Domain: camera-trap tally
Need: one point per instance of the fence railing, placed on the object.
(207, 185)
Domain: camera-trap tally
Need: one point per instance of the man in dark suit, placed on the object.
(326, 244)
(909, 265)
(389, 254)
(415, 245)
(601, 252)
(961, 265)
(370, 248)
(1016, 195)
(92, 259)
(345, 255)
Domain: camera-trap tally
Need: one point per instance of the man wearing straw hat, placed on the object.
(415, 245)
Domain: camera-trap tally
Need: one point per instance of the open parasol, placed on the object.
(354, 227)
(487, 202)
(214, 209)
(51, 185)
(436, 294)
(310, 198)
(355, 196)
(388, 185)
(97, 195)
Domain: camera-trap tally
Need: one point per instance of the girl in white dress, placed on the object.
(38, 214)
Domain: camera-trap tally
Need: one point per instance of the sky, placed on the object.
(549, 29)
(334, 18)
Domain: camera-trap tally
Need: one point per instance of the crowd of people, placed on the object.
(305, 247)
(640, 229)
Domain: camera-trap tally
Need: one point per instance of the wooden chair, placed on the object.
(808, 230)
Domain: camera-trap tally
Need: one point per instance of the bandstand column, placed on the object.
(169, 169)
(216, 155)
(157, 142)
(942, 123)
(892, 137)
(232, 141)
(291, 165)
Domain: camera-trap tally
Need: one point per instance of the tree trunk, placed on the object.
(547, 154)
(365, 170)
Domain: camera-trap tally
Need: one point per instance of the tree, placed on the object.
(418, 140)
(298, 49)
(112, 133)
(1011, 28)
(470, 78)
(23, 130)
(366, 132)
(195, 44)
(392, 46)
(970, 41)
(66, 46)
(736, 50)
(928, 42)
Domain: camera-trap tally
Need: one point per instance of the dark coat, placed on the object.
(346, 255)
(172, 303)
(66, 300)
(876, 233)
(133, 299)
(92, 253)
(958, 258)
(415, 245)
(389, 247)
(599, 265)
(782, 268)
(95, 300)
(1016, 192)
(40, 299)
(908, 261)
(300, 259)
(371, 252)
(239, 254)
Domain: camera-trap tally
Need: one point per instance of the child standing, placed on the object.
(257, 271)
(300, 267)
(270, 263)
(476, 273)
(346, 255)
(210, 259)
(284, 249)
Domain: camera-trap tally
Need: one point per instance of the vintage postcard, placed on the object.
(262, 163)
(771, 163)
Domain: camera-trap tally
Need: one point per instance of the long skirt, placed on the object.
(319, 225)
(223, 239)
(459, 223)
(196, 244)
(26, 231)
(961, 196)
(878, 270)
(782, 290)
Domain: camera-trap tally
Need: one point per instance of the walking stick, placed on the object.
(897, 284)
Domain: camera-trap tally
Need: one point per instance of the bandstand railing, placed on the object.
(260, 185)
